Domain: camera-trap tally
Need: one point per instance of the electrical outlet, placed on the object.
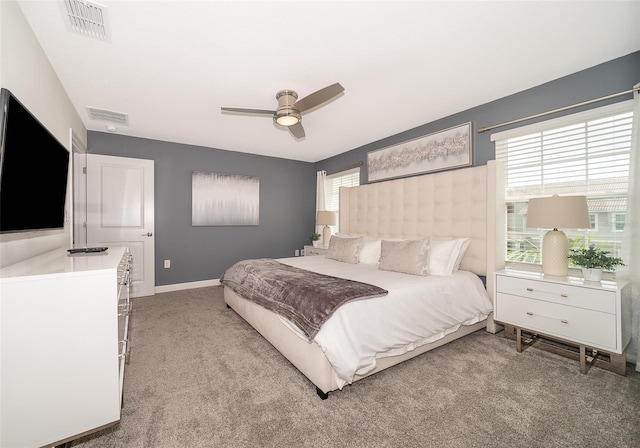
(167, 264)
(297, 253)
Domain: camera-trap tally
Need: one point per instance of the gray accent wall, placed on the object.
(609, 78)
(287, 206)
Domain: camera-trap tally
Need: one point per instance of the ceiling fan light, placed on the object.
(287, 120)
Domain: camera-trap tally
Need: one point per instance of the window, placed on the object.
(618, 222)
(333, 182)
(581, 154)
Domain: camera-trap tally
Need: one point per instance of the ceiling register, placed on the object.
(87, 19)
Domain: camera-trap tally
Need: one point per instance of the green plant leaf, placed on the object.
(592, 256)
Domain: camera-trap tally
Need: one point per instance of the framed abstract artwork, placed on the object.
(224, 199)
(442, 150)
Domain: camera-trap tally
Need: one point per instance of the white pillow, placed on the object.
(344, 249)
(370, 251)
(409, 256)
(463, 250)
(445, 256)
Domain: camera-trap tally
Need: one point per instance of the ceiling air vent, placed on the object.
(86, 18)
(108, 115)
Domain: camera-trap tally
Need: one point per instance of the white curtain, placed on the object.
(321, 203)
(631, 236)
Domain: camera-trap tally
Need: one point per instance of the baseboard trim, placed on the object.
(190, 285)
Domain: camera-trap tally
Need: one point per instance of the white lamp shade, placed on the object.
(326, 218)
(569, 212)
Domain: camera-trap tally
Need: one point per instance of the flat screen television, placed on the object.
(34, 167)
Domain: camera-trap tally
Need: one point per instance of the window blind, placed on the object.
(582, 154)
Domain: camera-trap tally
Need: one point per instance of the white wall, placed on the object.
(26, 72)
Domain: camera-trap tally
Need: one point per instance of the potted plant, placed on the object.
(593, 261)
(315, 239)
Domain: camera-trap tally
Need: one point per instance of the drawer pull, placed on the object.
(564, 321)
(123, 351)
(529, 313)
(563, 294)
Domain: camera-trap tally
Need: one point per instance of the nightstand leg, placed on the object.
(519, 339)
(583, 359)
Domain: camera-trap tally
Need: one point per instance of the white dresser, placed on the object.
(592, 316)
(64, 325)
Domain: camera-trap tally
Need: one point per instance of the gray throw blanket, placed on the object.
(306, 298)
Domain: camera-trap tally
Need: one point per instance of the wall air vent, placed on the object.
(86, 18)
(108, 115)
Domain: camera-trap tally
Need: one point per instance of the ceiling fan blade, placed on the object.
(297, 130)
(248, 111)
(319, 97)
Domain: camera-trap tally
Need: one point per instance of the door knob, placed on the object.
(147, 234)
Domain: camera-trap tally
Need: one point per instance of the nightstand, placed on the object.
(310, 250)
(588, 321)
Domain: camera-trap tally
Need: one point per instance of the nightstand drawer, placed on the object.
(575, 296)
(592, 328)
(309, 250)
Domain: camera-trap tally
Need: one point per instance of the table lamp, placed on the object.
(569, 212)
(326, 218)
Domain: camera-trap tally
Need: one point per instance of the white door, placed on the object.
(120, 212)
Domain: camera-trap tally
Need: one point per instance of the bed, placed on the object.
(459, 205)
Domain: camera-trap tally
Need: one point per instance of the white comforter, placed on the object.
(417, 310)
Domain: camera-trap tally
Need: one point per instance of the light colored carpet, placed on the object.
(199, 376)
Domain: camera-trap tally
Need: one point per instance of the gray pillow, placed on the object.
(408, 256)
(344, 249)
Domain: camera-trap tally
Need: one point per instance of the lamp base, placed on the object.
(326, 236)
(555, 254)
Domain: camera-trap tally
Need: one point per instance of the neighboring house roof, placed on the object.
(607, 205)
(597, 187)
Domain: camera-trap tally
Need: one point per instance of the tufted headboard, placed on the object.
(468, 202)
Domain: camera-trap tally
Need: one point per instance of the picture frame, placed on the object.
(443, 150)
(224, 199)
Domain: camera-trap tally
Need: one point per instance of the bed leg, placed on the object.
(322, 395)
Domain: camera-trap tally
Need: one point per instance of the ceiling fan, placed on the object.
(290, 109)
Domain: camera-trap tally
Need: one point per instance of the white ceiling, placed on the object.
(171, 65)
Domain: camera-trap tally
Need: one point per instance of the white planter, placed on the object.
(316, 243)
(592, 275)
